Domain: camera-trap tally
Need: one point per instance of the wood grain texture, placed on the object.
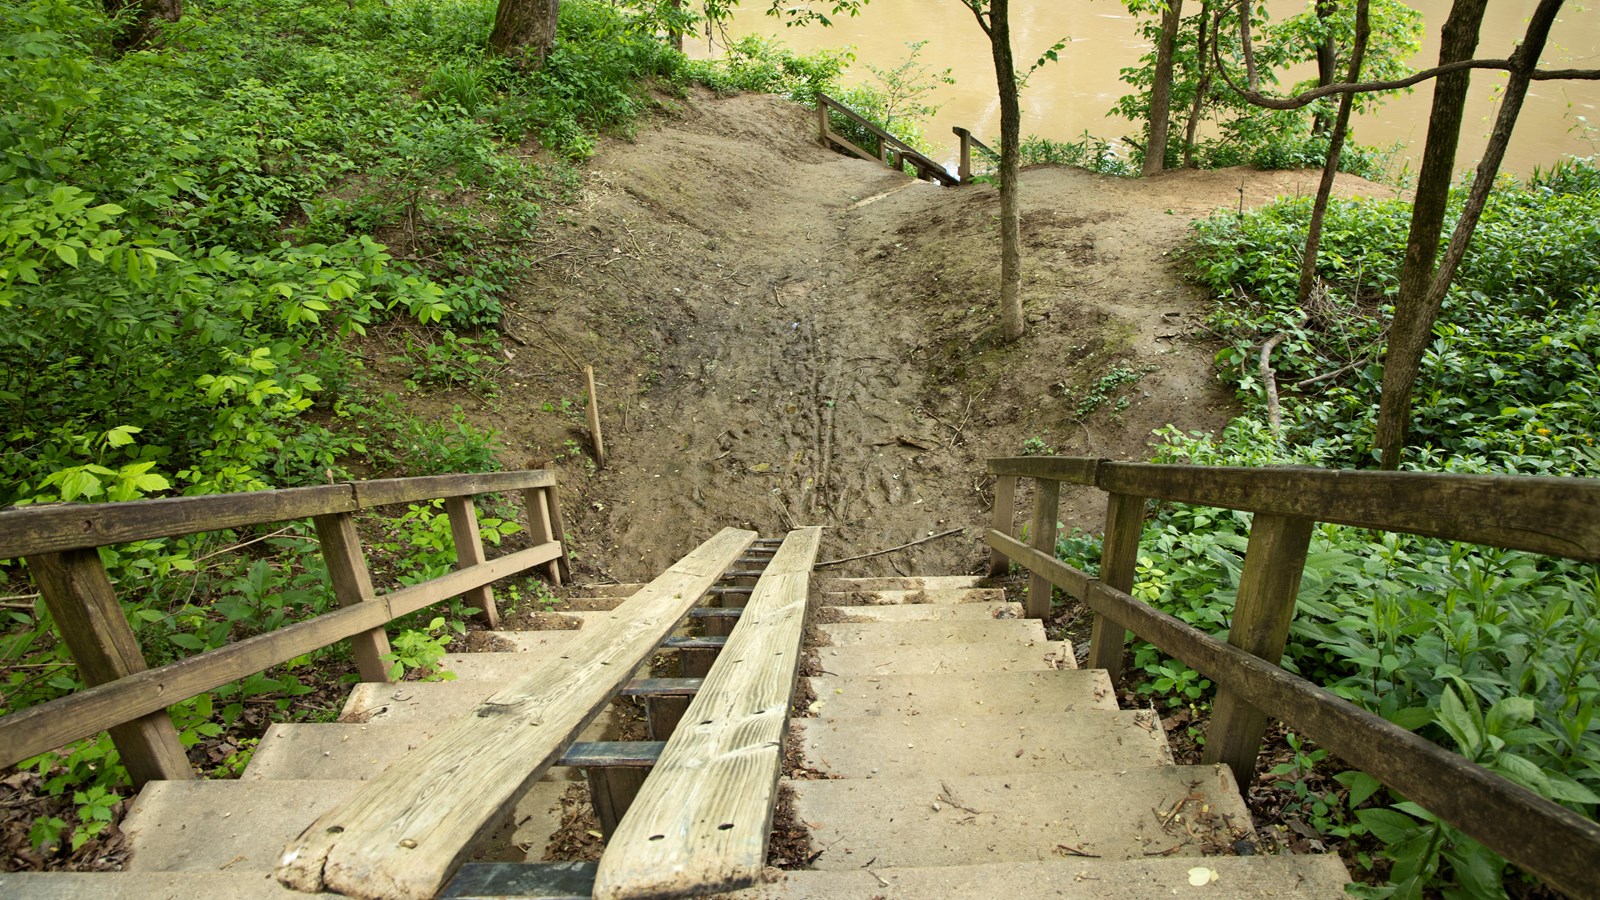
(1555, 516)
(1118, 558)
(1072, 582)
(31, 530)
(1046, 508)
(352, 584)
(59, 722)
(1005, 521)
(1262, 614)
(1073, 469)
(468, 539)
(405, 832)
(1544, 838)
(83, 603)
(700, 824)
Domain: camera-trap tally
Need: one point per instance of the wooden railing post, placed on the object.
(83, 603)
(1118, 556)
(544, 525)
(822, 121)
(964, 169)
(1046, 507)
(1005, 521)
(469, 552)
(352, 584)
(1273, 562)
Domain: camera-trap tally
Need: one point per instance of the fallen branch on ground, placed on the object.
(931, 537)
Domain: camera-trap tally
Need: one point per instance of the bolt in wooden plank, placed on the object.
(1005, 509)
(1119, 555)
(403, 833)
(469, 552)
(352, 584)
(83, 603)
(1273, 562)
(702, 820)
(1046, 507)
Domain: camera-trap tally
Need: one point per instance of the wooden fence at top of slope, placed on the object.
(890, 150)
(59, 544)
(1552, 516)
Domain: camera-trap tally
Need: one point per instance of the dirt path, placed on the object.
(786, 337)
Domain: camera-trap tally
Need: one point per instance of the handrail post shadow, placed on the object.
(1118, 556)
(1046, 507)
(1273, 563)
(1005, 521)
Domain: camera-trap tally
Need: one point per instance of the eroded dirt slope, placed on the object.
(785, 336)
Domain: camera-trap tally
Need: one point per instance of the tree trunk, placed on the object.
(1011, 321)
(1330, 169)
(1403, 361)
(1202, 86)
(525, 30)
(139, 17)
(1155, 152)
(1413, 326)
(1327, 59)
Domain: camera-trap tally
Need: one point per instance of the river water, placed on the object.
(1076, 93)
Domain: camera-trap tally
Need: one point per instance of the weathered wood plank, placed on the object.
(558, 533)
(1005, 521)
(1118, 557)
(1071, 469)
(603, 754)
(1544, 838)
(1262, 614)
(59, 722)
(469, 552)
(352, 584)
(701, 823)
(405, 832)
(885, 139)
(1072, 582)
(1555, 516)
(1046, 508)
(83, 603)
(387, 491)
(663, 687)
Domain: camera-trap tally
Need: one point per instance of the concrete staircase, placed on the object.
(954, 751)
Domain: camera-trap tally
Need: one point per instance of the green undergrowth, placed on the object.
(1493, 653)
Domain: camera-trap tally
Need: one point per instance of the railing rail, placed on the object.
(964, 171)
(891, 151)
(1553, 516)
(130, 700)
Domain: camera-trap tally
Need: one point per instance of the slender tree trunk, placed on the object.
(1402, 361)
(1005, 71)
(1330, 169)
(1327, 59)
(1202, 85)
(525, 30)
(1155, 152)
(139, 18)
(1412, 327)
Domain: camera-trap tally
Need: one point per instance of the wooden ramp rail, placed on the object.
(1553, 516)
(403, 834)
(967, 142)
(891, 151)
(130, 700)
(701, 822)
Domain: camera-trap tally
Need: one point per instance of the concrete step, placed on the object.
(912, 659)
(227, 885)
(932, 634)
(929, 821)
(990, 694)
(878, 747)
(928, 612)
(1078, 878)
(909, 597)
(214, 826)
(602, 590)
(912, 583)
(526, 641)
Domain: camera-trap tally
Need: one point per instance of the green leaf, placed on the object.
(1361, 785)
(68, 255)
(1455, 720)
(1389, 826)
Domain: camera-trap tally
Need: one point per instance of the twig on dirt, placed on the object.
(949, 797)
(19, 597)
(931, 537)
(1069, 850)
(1269, 380)
(1302, 385)
(241, 546)
(577, 366)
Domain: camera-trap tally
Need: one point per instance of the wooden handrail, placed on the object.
(964, 172)
(129, 699)
(1555, 516)
(891, 150)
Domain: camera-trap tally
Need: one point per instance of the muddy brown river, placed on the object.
(1064, 99)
